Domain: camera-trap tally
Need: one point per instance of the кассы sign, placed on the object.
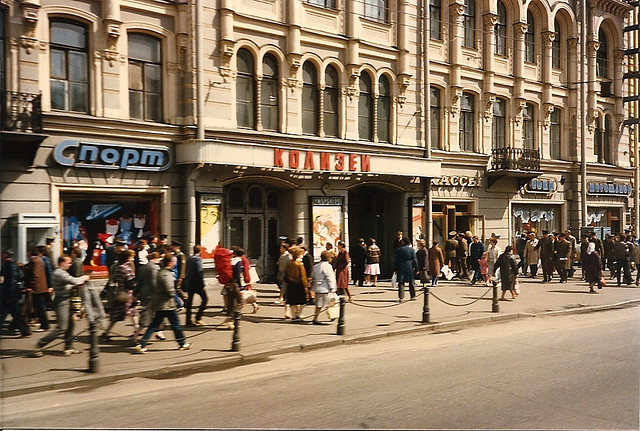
(98, 155)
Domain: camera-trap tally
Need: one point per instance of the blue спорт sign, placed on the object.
(97, 155)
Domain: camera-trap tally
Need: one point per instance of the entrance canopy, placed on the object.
(292, 158)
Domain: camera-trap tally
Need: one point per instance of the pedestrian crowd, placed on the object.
(153, 282)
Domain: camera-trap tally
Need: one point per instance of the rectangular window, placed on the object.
(375, 10)
(466, 129)
(328, 4)
(435, 117)
(435, 19)
(498, 129)
(69, 68)
(330, 112)
(310, 109)
(145, 77)
(554, 135)
(269, 105)
(527, 128)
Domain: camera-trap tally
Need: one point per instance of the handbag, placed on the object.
(394, 280)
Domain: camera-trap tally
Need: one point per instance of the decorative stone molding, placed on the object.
(619, 124)
(28, 39)
(520, 29)
(456, 10)
(548, 37)
(182, 44)
(490, 21)
(489, 100)
(226, 54)
(547, 110)
(404, 79)
(353, 71)
(591, 120)
(592, 47)
(573, 43)
(456, 94)
(294, 65)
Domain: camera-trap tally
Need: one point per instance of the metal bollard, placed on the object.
(426, 316)
(235, 344)
(341, 318)
(495, 308)
(94, 351)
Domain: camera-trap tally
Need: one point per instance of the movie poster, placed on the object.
(326, 217)
(417, 217)
(210, 224)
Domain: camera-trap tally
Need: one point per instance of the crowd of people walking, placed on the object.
(153, 283)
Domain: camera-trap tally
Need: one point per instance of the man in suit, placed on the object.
(194, 284)
(405, 265)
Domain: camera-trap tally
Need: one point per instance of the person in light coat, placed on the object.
(493, 253)
(532, 254)
(323, 283)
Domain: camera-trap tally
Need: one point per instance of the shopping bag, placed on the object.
(394, 280)
(516, 287)
(248, 296)
(254, 275)
(334, 308)
(446, 271)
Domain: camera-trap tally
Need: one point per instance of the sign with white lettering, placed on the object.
(609, 189)
(455, 181)
(99, 155)
(541, 185)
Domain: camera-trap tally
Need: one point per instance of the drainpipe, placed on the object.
(583, 128)
(199, 77)
(191, 206)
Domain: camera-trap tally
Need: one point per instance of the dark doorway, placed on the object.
(369, 218)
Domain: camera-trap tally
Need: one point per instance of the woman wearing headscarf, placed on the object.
(592, 267)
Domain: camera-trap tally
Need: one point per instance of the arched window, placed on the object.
(556, 53)
(554, 135)
(469, 23)
(331, 102)
(269, 94)
(467, 125)
(365, 108)
(375, 10)
(245, 90)
(498, 130)
(435, 19)
(530, 39)
(256, 200)
(602, 56)
(69, 79)
(310, 99)
(607, 144)
(384, 109)
(145, 77)
(434, 107)
(528, 131)
(501, 30)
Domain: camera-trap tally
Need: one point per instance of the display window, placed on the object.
(327, 223)
(93, 222)
(604, 217)
(535, 218)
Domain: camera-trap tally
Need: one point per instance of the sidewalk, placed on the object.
(375, 313)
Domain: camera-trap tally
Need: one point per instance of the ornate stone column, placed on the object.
(592, 49)
(519, 30)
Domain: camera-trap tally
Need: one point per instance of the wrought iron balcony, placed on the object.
(515, 159)
(20, 112)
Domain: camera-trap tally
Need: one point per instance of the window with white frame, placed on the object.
(145, 77)
(69, 79)
(375, 10)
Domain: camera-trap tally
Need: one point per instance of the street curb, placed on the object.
(239, 359)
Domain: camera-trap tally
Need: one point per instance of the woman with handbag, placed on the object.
(297, 283)
(124, 304)
(592, 267)
(342, 270)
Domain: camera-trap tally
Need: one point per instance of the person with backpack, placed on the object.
(10, 293)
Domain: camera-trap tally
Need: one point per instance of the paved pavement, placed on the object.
(375, 313)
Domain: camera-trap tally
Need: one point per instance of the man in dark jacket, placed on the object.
(475, 254)
(36, 282)
(358, 254)
(461, 257)
(405, 265)
(10, 293)
(619, 253)
(194, 284)
(546, 247)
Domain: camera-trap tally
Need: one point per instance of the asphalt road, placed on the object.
(571, 372)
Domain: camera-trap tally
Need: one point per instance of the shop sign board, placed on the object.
(609, 189)
(455, 181)
(324, 161)
(542, 185)
(99, 155)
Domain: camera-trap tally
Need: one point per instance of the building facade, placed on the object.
(234, 123)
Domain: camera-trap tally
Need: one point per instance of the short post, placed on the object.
(235, 344)
(341, 318)
(426, 317)
(94, 351)
(495, 308)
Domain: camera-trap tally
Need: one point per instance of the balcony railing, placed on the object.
(515, 159)
(20, 112)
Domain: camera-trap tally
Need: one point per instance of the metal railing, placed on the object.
(515, 159)
(20, 112)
